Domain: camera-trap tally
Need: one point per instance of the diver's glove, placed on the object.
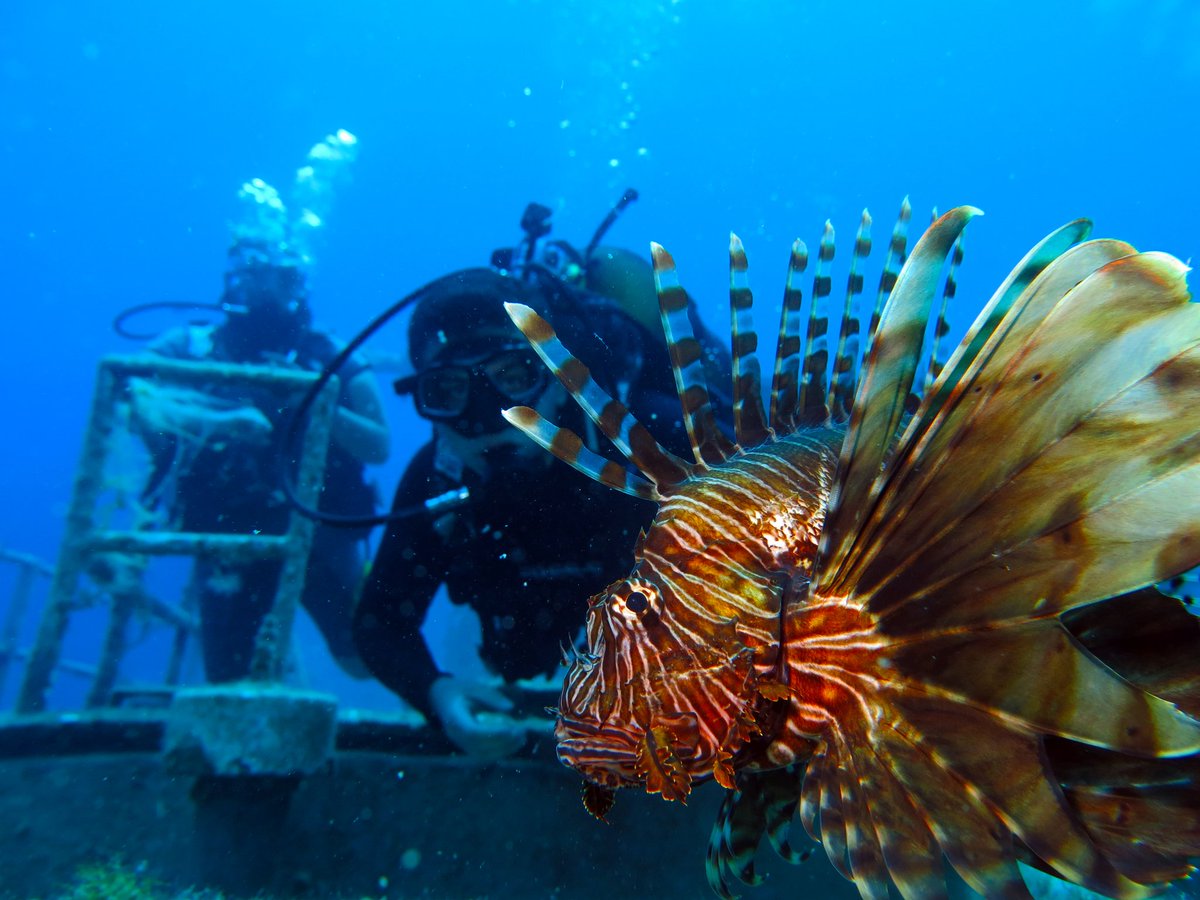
(475, 717)
(194, 416)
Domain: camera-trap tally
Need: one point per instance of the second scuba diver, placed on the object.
(531, 540)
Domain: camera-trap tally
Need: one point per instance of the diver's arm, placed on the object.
(359, 426)
(173, 344)
(409, 566)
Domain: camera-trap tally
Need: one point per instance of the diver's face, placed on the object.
(467, 388)
(268, 310)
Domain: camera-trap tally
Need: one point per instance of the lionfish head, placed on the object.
(679, 654)
(666, 690)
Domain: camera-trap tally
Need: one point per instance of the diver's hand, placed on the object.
(245, 424)
(474, 716)
(157, 411)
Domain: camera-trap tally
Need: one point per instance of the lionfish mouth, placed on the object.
(604, 755)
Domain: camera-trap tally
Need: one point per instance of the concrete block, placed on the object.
(249, 729)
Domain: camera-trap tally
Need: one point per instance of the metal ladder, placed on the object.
(84, 541)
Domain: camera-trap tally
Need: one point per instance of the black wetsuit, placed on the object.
(525, 557)
(233, 488)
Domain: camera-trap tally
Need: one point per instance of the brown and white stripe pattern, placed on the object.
(709, 443)
(896, 255)
(816, 343)
(695, 625)
(845, 361)
(749, 417)
(789, 348)
(661, 467)
(941, 327)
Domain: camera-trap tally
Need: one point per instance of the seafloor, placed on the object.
(98, 812)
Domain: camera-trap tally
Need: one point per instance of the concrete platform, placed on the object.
(392, 816)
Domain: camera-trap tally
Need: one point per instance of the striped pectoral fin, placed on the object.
(821, 808)
(864, 854)
(1043, 254)
(924, 459)
(973, 840)
(1142, 813)
(1077, 455)
(1073, 556)
(809, 808)
(1036, 673)
(909, 851)
(872, 829)
(1149, 832)
(1149, 639)
(568, 446)
(1048, 274)
(1005, 765)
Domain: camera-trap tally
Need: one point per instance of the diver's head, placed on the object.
(266, 299)
(470, 360)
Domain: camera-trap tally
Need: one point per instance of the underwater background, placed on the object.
(126, 129)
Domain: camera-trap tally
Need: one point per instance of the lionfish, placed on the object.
(922, 619)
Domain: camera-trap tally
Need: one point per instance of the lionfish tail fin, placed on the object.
(662, 468)
(709, 443)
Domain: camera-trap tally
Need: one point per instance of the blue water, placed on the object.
(126, 129)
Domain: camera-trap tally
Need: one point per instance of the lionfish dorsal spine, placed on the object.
(789, 347)
(749, 418)
(709, 443)
(813, 410)
(879, 402)
(845, 361)
(941, 327)
(658, 465)
(896, 254)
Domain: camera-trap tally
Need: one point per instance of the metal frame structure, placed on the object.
(83, 539)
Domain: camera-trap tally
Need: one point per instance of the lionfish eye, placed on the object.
(636, 603)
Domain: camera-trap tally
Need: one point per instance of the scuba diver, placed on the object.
(530, 541)
(217, 457)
